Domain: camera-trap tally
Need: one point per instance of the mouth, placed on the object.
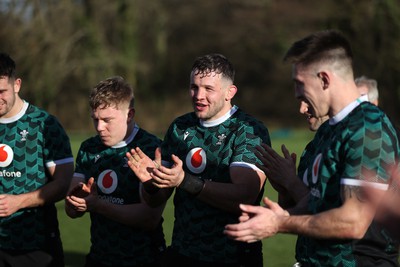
(199, 106)
(102, 137)
(310, 118)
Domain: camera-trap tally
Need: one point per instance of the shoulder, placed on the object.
(185, 121)
(92, 143)
(145, 136)
(38, 114)
(248, 122)
(191, 116)
(35, 112)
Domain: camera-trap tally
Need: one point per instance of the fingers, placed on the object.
(287, 154)
(249, 208)
(79, 204)
(268, 203)
(157, 156)
(135, 155)
(267, 155)
(294, 158)
(244, 217)
(239, 235)
(90, 182)
(156, 165)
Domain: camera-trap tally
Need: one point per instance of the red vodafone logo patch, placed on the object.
(315, 169)
(107, 181)
(6, 155)
(196, 160)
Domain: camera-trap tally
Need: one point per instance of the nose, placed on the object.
(303, 107)
(199, 93)
(100, 125)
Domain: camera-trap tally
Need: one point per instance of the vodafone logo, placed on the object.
(196, 160)
(107, 181)
(315, 168)
(6, 155)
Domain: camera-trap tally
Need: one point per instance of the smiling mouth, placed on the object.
(199, 106)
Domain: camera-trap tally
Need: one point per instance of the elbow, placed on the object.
(355, 231)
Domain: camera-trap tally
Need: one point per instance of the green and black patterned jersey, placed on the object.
(309, 152)
(361, 136)
(113, 243)
(30, 142)
(208, 150)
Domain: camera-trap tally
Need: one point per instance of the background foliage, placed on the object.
(63, 48)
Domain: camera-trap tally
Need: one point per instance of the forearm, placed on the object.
(135, 215)
(244, 189)
(332, 224)
(300, 208)
(55, 190)
(285, 200)
(297, 189)
(233, 195)
(155, 196)
(50, 193)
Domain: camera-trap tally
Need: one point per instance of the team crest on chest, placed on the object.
(196, 160)
(107, 181)
(221, 139)
(24, 134)
(6, 155)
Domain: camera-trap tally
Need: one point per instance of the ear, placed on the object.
(325, 79)
(231, 92)
(131, 114)
(17, 85)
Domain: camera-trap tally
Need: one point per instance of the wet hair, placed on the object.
(7, 66)
(324, 46)
(111, 92)
(217, 63)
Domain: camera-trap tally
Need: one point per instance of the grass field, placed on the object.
(278, 251)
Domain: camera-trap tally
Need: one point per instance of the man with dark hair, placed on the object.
(337, 228)
(208, 158)
(36, 164)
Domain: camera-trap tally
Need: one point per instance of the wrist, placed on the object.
(150, 188)
(192, 184)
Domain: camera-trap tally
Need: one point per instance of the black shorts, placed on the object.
(34, 258)
(173, 258)
(90, 262)
(51, 256)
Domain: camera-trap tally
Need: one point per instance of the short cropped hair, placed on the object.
(111, 92)
(326, 46)
(7, 66)
(217, 63)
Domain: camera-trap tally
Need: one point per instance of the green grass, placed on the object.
(278, 251)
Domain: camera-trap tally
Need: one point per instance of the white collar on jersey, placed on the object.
(219, 120)
(349, 108)
(16, 116)
(129, 139)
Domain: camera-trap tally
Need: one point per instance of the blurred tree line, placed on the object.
(64, 47)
